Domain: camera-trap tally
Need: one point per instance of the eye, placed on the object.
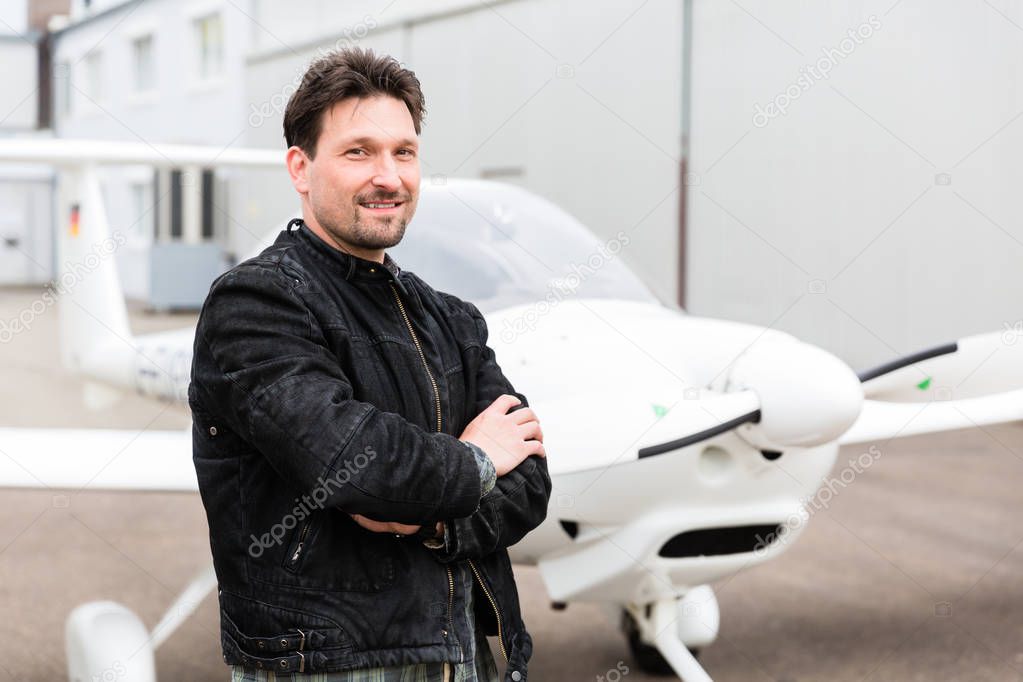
(358, 151)
(409, 153)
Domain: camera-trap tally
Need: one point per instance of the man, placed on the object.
(363, 461)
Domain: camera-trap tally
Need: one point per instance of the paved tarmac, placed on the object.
(913, 572)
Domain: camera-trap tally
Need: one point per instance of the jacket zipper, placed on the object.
(500, 634)
(301, 543)
(422, 356)
(436, 397)
(451, 580)
(451, 599)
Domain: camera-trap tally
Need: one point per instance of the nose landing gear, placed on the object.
(665, 637)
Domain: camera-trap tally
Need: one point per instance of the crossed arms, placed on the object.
(264, 366)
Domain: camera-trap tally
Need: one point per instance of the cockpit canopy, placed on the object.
(499, 246)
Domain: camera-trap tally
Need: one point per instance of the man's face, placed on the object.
(363, 184)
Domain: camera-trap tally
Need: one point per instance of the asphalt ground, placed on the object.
(912, 572)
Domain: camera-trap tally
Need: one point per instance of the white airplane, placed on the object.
(682, 449)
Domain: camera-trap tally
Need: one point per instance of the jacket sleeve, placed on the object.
(518, 501)
(261, 364)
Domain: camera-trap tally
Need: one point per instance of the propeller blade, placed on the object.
(880, 420)
(970, 383)
(975, 366)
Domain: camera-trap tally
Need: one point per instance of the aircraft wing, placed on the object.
(75, 153)
(97, 459)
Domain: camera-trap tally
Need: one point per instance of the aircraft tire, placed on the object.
(646, 656)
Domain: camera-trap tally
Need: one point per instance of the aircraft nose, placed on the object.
(808, 396)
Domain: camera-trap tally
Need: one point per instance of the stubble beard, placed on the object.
(386, 232)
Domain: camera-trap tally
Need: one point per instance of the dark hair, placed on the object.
(338, 75)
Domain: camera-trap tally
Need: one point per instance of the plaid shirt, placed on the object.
(482, 668)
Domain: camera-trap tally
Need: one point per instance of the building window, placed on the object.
(208, 188)
(143, 212)
(209, 32)
(143, 60)
(177, 224)
(93, 63)
(62, 81)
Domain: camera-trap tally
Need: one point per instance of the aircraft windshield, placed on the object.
(498, 246)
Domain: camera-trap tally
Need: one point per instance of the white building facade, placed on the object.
(849, 169)
(168, 72)
(549, 95)
(26, 240)
(839, 171)
(19, 78)
(856, 164)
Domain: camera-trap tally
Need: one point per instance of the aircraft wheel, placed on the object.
(647, 657)
(107, 642)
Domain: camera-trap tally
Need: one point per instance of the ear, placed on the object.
(298, 168)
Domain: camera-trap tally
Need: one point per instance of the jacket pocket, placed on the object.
(328, 552)
(300, 539)
(211, 436)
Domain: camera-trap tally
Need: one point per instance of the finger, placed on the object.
(504, 403)
(524, 415)
(530, 431)
(535, 447)
(370, 524)
(539, 432)
(405, 529)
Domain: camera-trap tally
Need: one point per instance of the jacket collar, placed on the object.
(351, 267)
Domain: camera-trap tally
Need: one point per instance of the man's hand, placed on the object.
(385, 526)
(392, 527)
(507, 438)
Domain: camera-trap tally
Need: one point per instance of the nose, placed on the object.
(386, 177)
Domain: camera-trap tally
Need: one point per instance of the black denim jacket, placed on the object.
(325, 385)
